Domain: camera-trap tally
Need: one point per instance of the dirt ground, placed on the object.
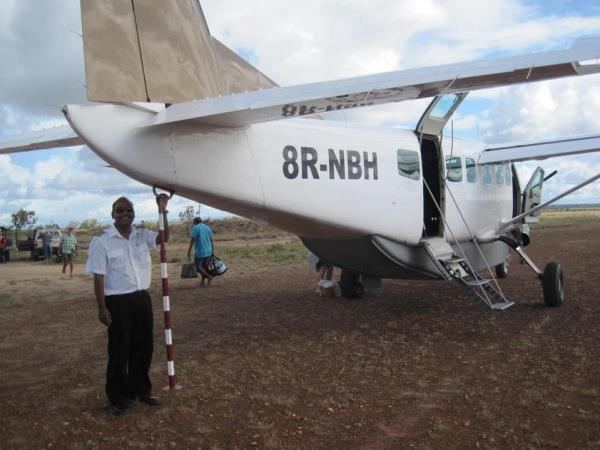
(265, 363)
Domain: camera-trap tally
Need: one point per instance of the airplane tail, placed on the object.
(158, 51)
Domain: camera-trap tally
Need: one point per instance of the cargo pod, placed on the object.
(429, 131)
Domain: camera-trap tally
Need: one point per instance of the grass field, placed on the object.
(253, 245)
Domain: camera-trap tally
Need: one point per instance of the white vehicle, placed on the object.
(182, 112)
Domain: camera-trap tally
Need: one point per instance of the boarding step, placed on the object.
(477, 282)
(457, 269)
(501, 306)
(480, 288)
(452, 268)
(439, 248)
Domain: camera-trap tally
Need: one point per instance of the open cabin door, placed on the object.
(429, 131)
(532, 195)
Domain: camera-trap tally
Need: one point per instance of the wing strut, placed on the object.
(506, 225)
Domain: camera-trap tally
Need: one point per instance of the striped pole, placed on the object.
(166, 303)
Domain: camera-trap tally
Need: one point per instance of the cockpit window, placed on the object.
(471, 170)
(408, 164)
(454, 168)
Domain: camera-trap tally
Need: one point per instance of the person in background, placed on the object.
(201, 239)
(121, 263)
(47, 242)
(68, 249)
(3, 244)
(42, 237)
(324, 270)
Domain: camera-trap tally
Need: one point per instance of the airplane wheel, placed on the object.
(502, 269)
(554, 288)
(350, 285)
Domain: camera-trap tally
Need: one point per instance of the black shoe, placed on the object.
(120, 410)
(149, 400)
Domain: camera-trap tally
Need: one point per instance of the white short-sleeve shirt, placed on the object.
(125, 263)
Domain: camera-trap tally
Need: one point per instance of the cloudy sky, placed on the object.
(296, 42)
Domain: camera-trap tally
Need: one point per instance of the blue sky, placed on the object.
(297, 42)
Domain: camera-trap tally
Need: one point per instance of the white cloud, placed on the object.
(76, 185)
(294, 42)
(543, 110)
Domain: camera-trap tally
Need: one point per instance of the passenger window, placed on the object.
(487, 174)
(471, 170)
(408, 164)
(499, 174)
(454, 168)
(507, 175)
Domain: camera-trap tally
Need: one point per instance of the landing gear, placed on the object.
(351, 285)
(502, 269)
(552, 282)
(551, 277)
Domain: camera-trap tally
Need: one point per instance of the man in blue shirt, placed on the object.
(201, 240)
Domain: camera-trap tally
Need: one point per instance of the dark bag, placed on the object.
(188, 270)
(214, 266)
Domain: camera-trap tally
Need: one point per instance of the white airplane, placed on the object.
(174, 108)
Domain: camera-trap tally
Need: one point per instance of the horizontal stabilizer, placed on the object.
(541, 150)
(315, 98)
(62, 136)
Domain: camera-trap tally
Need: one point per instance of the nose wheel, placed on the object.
(553, 284)
(552, 277)
(502, 268)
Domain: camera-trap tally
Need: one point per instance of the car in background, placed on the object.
(35, 244)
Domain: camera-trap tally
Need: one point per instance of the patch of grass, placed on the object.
(281, 400)
(530, 397)
(273, 254)
(524, 343)
(563, 217)
(589, 392)
(9, 300)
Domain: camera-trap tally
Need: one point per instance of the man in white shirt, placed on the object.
(121, 263)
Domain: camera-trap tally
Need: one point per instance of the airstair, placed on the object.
(451, 265)
(457, 269)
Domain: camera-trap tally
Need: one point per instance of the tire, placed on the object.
(35, 255)
(502, 269)
(553, 285)
(350, 285)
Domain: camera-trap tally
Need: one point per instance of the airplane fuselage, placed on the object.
(321, 180)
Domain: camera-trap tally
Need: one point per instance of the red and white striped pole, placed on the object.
(166, 302)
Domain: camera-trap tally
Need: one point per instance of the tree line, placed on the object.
(27, 219)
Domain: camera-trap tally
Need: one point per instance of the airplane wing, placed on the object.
(62, 136)
(541, 150)
(315, 98)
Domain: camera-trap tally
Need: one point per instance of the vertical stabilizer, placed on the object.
(179, 62)
(158, 51)
(113, 64)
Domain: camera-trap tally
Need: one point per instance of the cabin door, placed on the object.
(532, 195)
(429, 131)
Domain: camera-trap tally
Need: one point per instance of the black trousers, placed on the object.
(130, 346)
